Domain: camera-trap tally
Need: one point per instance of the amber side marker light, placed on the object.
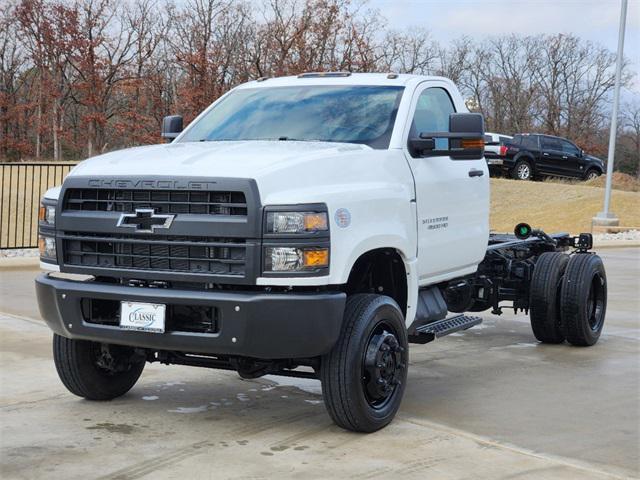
(42, 213)
(472, 143)
(316, 258)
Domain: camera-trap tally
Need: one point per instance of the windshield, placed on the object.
(351, 114)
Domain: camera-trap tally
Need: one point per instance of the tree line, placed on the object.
(79, 77)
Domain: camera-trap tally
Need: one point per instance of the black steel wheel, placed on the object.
(544, 297)
(364, 375)
(583, 299)
(382, 366)
(96, 371)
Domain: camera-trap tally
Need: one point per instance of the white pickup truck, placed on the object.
(307, 226)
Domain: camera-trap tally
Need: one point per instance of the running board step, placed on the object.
(441, 328)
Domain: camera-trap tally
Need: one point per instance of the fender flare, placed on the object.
(526, 156)
(410, 265)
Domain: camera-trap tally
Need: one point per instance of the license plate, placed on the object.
(143, 317)
(495, 161)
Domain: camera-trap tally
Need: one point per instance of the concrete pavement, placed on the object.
(487, 403)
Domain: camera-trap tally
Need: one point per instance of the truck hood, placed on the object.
(234, 159)
(591, 158)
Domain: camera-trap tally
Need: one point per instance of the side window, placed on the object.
(530, 143)
(432, 111)
(549, 143)
(569, 148)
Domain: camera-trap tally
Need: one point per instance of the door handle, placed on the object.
(565, 157)
(476, 173)
(545, 154)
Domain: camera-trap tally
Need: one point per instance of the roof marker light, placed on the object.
(324, 74)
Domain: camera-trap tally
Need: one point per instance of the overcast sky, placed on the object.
(595, 20)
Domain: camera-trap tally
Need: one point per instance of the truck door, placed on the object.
(452, 196)
(572, 165)
(551, 161)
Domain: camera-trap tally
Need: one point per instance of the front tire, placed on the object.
(583, 299)
(522, 170)
(364, 375)
(591, 174)
(96, 371)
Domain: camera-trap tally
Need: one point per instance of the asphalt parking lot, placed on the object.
(488, 403)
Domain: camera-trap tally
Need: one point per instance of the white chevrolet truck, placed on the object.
(309, 226)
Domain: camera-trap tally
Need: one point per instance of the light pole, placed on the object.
(606, 217)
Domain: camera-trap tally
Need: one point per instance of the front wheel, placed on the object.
(96, 371)
(591, 174)
(364, 375)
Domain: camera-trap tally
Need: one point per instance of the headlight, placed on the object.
(47, 247)
(288, 259)
(47, 214)
(296, 222)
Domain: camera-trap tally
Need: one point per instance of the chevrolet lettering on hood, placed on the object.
(150, 184)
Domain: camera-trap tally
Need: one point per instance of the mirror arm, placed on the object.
(461, 135)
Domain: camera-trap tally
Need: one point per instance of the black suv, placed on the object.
(534, 155)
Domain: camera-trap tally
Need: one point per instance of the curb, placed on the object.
(616, 244)
(19, 262)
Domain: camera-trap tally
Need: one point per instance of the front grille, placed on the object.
(162, 201)
(200, 255)
(178, 318)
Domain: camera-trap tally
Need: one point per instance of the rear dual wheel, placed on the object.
(583, 299)
(568, 298)
(544, 299)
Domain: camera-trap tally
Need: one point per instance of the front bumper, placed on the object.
(252, 324)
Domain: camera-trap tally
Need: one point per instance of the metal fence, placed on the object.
(21, 188)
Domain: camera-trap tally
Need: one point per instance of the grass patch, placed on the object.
(557, 205)
(621, 181)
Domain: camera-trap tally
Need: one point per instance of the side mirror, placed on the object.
(465, 139)
(171, 126)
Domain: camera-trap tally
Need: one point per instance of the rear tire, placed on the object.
(96, 371)
(522, 170)
(544, 299)
(364, 375)
(583, 299)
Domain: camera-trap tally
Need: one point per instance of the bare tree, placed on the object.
(83, 76)
(13, 64)
(631, 135)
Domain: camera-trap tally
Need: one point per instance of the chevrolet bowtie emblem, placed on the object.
(145, 220)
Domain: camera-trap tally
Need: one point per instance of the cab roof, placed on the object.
(341, 78)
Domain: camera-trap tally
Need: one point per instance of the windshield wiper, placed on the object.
(268, 139)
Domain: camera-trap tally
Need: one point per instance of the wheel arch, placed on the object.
(528, 156)
(385, 271)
